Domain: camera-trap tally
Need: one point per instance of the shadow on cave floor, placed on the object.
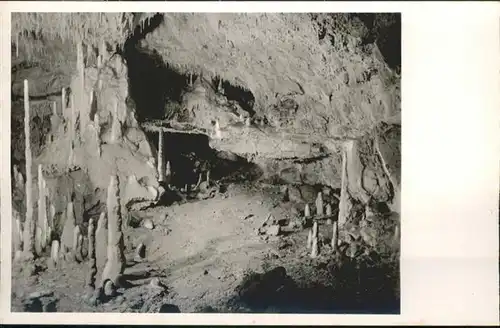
(352, 288)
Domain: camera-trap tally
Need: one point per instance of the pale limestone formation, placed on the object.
(335, 235)
(29, 223)
(101, 241)
(309, 238)
(307, 211)
(319, 204)
(54, 251)
(115, 264)
(42, 209)
(218, 132)
(328, 209)
(67, 237)
(315, 246)
(161, 163)
(344, 204)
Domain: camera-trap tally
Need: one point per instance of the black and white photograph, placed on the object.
(206, 162)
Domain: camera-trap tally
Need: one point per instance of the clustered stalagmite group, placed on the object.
(34, 236)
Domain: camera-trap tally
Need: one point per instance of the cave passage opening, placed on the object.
(156, 89)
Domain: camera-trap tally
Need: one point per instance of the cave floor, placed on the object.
(200, 251)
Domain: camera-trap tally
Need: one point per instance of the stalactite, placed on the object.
(29, 223)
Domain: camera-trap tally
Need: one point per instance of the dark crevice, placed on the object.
(190, 155)
(385, 31)
(244, 97)
(152, 82)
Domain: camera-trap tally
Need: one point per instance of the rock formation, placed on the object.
(29, 223)
(161, 158)
(115, 256)
(67, 237)
(314, 244)
(54, 252)
(91, 255)
(101, 241)
(319, 204)
(42, 209)
(307, 211)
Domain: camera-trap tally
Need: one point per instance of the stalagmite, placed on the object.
(81, 78)
(344, 197)
(17, 45)
(101, 241)
(38, 241)
(76, 242)
(42, 208)
(315, 246)
(55, 122)
(116, 128)
(29, 223)
(97, 127)
(307, 211)
(218, 133)
(103, 51)
(161, 163)
(54, 251)
(168, 173)
(198, 182)
(63, 101)
(247, 121)
(99, 61)
(319, 204)
(328, 212)
(115, 264)
(335, 235)
(68, 230)
(208, 178)
(18, 178)
(91, 254)
(309, 238)
(219, 86)
(328, 209)
(52, 216)
(17, 235)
